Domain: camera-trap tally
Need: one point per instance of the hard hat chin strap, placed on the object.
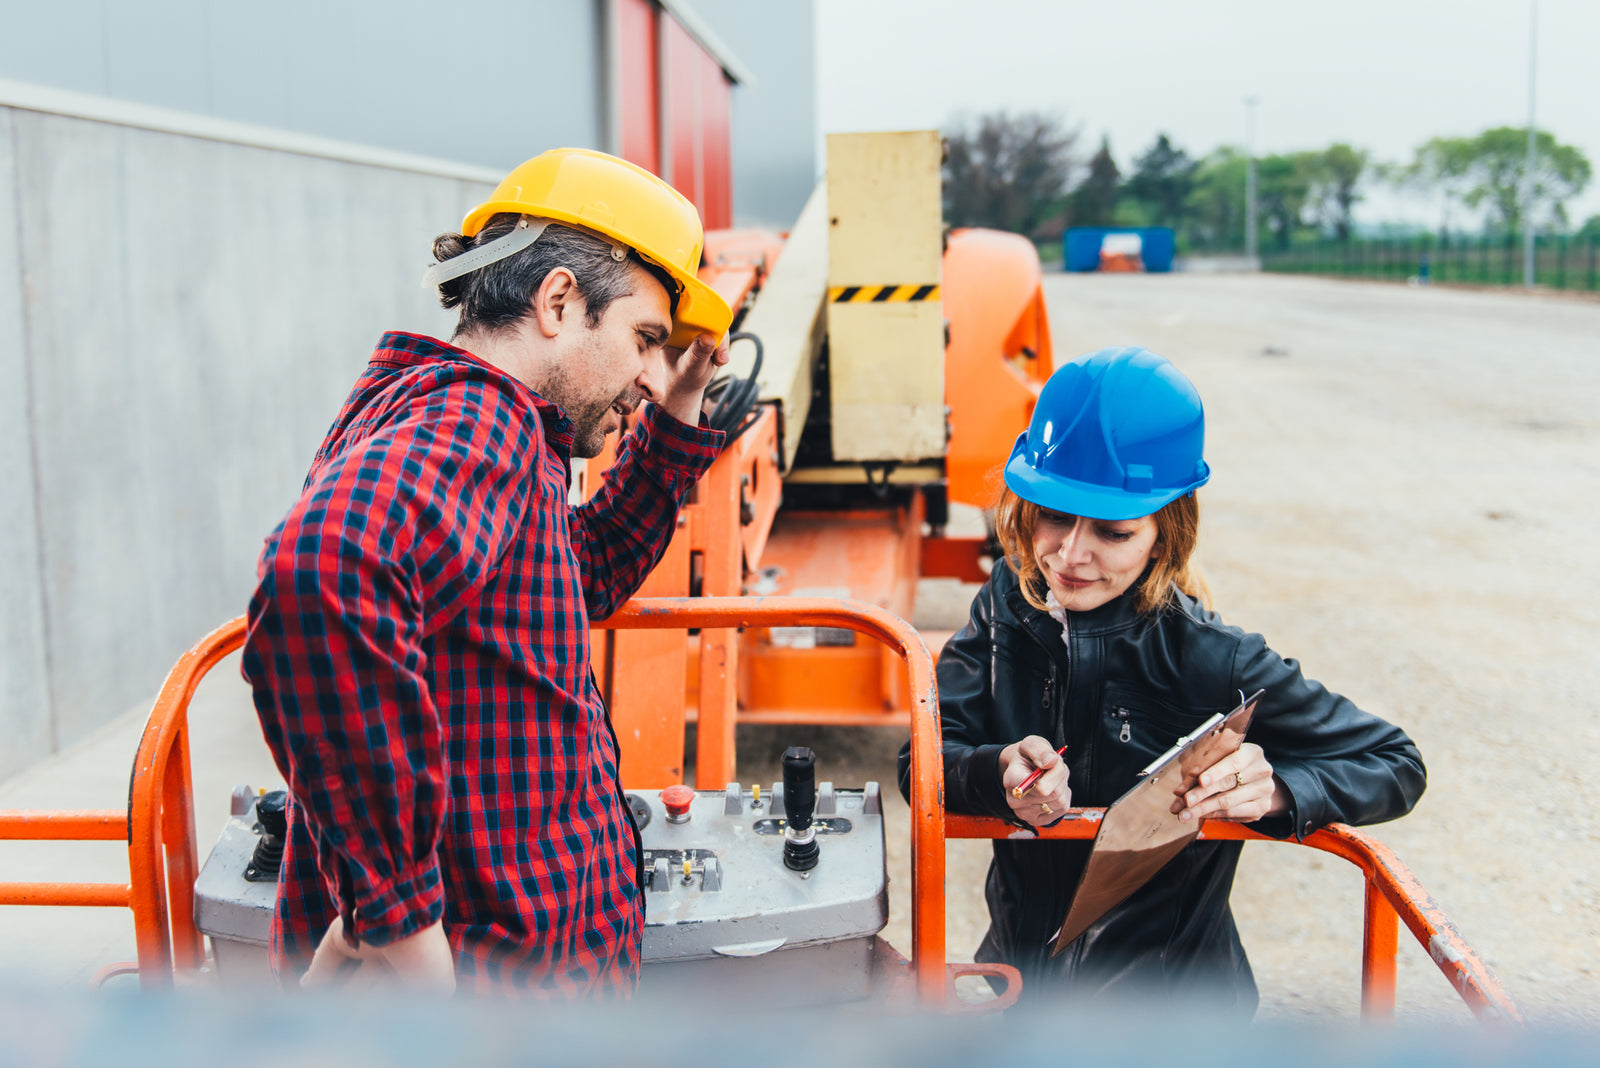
(525, 233)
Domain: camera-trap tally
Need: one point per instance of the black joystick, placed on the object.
(800, 851)
(272, 814)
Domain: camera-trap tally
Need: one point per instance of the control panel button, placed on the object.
(676, 800)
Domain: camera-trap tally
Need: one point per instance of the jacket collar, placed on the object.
(1119, 613)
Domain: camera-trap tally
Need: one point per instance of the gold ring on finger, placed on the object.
(1046, 806)
(1238, 780)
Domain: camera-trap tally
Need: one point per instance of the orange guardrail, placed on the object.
(1392, 894)
(161, 814)
(82, 825)
(158, 826)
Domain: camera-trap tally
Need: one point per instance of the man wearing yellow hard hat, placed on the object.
(419, 641)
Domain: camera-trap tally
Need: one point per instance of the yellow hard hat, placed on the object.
(628, 204)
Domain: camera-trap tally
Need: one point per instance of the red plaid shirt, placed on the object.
(419, 655)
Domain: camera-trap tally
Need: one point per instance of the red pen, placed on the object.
(1027, 784)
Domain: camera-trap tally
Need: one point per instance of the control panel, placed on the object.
(740, 884)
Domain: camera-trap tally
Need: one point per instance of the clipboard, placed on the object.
(1140, 833)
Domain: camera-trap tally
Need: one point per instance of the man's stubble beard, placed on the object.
(588, 430)
(588, 414)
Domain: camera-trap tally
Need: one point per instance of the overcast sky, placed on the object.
(1384, 75)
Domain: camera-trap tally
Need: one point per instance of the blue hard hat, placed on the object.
(1117, 434)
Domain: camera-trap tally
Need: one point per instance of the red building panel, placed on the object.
(638, 81)
(716, 165)
(681, 80)
(675, 108)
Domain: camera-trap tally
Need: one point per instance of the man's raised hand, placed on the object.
(688, 372)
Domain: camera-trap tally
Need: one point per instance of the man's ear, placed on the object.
(556, 301)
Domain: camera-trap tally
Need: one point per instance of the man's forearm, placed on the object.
(621, 533)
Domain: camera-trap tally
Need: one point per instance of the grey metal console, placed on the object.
(735, 916)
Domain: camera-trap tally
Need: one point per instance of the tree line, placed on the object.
(1026, 173)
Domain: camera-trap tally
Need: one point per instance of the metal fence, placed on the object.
(1561, 262)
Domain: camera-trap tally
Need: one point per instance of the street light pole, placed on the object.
(1528, 272)
(1250, 180)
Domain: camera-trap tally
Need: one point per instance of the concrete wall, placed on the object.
(180, 318)
(25, 720)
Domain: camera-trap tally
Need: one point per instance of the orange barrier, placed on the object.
(158, 827)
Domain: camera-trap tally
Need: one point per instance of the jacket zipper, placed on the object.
(1051, 686)
(1050, 690)
(1127, 732)
(1059, 683)
(1066, 644)
(1056, 682)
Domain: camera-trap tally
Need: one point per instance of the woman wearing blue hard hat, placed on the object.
(1096, 636)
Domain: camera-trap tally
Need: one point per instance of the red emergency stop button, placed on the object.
(676, 798)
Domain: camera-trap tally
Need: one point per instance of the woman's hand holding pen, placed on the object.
(1049, 796)
(1240, 787)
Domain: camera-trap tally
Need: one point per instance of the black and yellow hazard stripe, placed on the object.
(880, 294)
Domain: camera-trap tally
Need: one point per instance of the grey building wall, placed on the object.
(180, 318)
(487, 82)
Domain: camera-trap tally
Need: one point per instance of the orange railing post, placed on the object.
(1380, 941)
(163, 859)
(161, 817)
(716, 538)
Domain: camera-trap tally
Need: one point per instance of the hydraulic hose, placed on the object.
(737, 398)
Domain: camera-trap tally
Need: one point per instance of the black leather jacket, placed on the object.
(1118, 693)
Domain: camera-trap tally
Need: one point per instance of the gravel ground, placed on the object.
(1403, 481)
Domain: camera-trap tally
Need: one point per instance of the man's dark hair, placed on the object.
(498, 295)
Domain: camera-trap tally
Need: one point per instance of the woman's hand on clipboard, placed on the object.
(1050, 796)
(1240, 787)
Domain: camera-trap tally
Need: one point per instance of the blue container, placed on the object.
(1081, 246)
